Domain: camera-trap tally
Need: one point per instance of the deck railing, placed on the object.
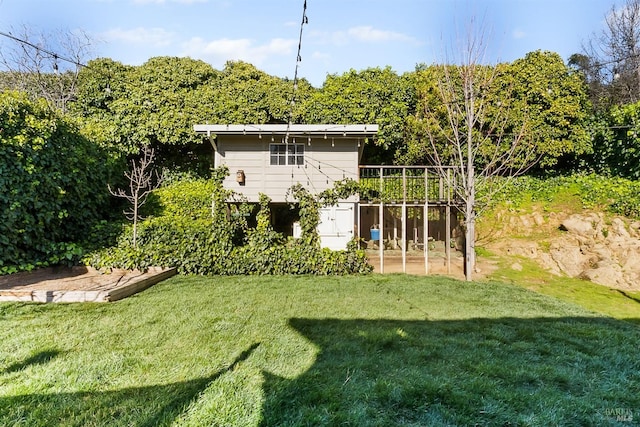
(408, 184)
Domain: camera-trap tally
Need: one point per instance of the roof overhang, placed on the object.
(367, 130)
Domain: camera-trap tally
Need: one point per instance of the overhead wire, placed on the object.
(54, 55)
(292, 102)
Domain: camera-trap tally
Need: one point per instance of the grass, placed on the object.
(297, 351)
(623, 305)
(561, 197)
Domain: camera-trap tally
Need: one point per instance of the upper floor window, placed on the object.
(286, 154)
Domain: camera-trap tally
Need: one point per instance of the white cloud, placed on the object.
(140, 35)
(222, 50)
(519, 34)
(320, 56)
(362, 34)
(370, 34)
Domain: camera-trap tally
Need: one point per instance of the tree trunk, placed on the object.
(469, 215)
(469, 246)
(470, 225)
(469, 242)
(135, 221)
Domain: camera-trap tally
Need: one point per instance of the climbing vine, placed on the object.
(224, 243)
(52, 185)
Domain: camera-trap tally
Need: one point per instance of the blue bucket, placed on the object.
(375, 234)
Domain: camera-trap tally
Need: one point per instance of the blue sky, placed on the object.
(340, 35)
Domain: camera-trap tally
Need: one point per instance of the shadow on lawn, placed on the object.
(571, 371)
(141, 406)
(40, 358)
(493, 372)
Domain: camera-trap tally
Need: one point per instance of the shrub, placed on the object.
(191, 246)
(190, 198)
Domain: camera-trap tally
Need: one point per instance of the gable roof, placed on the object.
(364, 130)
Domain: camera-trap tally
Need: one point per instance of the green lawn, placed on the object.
(288, 351)
(616, 303)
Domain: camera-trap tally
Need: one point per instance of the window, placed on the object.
(287, 154)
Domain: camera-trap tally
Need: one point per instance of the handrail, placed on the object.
(421, 184)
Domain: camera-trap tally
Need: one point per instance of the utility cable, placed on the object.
(292, 102)
(54, 55)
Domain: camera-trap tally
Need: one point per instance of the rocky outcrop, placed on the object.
(589, 246)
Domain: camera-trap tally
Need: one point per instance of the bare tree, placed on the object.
(143, 179)
(469, 132)
(614, 54)
(45, 65)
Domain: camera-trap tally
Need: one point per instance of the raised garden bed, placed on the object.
(78, 284)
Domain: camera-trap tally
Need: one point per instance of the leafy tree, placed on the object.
(158, 103)
(477, 123)
(155, 104)
(100, 84)
(537, 100)
(162, 102)
(550, 101)
(248, 95)
(375, 95)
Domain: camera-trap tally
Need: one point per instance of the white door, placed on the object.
(336, 226)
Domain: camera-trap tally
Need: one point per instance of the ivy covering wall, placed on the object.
(195, 230)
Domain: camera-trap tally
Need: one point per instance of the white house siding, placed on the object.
(326, 161)
(241, 155)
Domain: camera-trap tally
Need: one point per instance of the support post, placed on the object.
(404, 236)
(426, 236)
(425, 221)
(447, 238)
(404, 220)
(358, 223)
(448, 220)
(381, 241)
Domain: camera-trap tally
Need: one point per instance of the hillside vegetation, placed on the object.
(567, 237)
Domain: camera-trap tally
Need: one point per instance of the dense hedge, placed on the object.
(616, 142)
(52, 185)
(197, 232)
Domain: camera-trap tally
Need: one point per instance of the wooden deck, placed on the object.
(78, 284)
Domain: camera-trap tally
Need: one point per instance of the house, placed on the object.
(270, 158)
(408, 207)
